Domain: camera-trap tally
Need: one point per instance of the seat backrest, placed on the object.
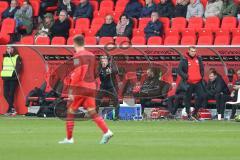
(179, 23)
(8, 26)
(171, 40)
(90, 41)
(70, 41)
(97, 22)
(58, 41)
(106, 40)
(42, 41)
(155, 40)
(138, 40)
(212, 22)
(122, 40)
(94, 4)
(143, 22)
(205, 40)
(36, 7)
(29, 40)
(195, 23)
(82, 23)
(106, 5)
(3, 6)
(229, 22)
(222, 40)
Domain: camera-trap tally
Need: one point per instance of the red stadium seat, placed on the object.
(120, 5)
(165, 21)
(195, 23)
(36, 7)
(229, 23)
(188, 40)
(4, 39)
(106, 5)
(91, 32)
(222, 40)
(143, 23)
(73, 32)
(94, 4)
(28, 40)
(188, 32)
(106, 40)
(138, 32)
(204, 3)
(171, 32)
(42, 41)
(205, 32)
(135, 22)
(205, 40)
(138, 40)
(3, 6)
(236, 40)
(171, 40)
(235, 32)
(179, 23)
(222, 32)
(155, 40)
(97, 23)
(122, 41)
(212, 23)
(8, 26)
(82, 23)
(70, 41)
(58, 41)
(90, 41)
(51, 9)
(116, 16)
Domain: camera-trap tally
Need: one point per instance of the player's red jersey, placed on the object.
(82, 80)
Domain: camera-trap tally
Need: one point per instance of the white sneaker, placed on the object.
(106, 137)
(66, 141)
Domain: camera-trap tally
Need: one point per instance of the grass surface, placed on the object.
(36, 139)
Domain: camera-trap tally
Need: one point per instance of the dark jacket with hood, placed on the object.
(133, 9)
(166, 9)
(107, 30)
(180, 10)
(83, 11)
(8, 14)
(217, 86)
(147, 10)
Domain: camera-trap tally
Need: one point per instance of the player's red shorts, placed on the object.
(85, 102)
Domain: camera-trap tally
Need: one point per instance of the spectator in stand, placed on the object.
(195, 9)
(229, 8)
(234, 94)
(133, 9)
(124, 27)
(180, 9)
(66, 5)
(108, 29)
(44, 5)
(24, 17)
(165, 8)
(61, 26)
(154, 27)
(45, 26)
(213, 8)
(148, 9)
(191, 70)
(10, 11)
(218, 90)
(83, 10)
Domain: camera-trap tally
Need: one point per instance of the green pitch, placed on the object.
(36, 139)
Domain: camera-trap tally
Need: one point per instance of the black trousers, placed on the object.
(221, 100)
(9, 87)
(112, 95)
(198, 90)
(174, 102)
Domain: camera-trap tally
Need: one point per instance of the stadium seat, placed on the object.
(171, 32)
(188, 40)
(3, 6)
(91, 32)
(235, 32)
(8, 26)
(222, 32)
(195, 23)
(188, 32)
(171, 40)
(212, 23)
(97, 23)
(205, 40)
(36, 7)
(90, 41)
(137, 40)
(73, 32)
(4, 39)
(82, 23)
(135, 22)
(179, 23)
(94, 4)
(236, 40)
(28, 40)
(156, 40)
(106, 40)
(120, 5)
(166, 22)
(70, 41)
(122, 41)
(106, 5)
(58, 41)
(229, 23)
(138, 32)
(71, 22)
(42, 41)
(143, 23)
(100, 14)
(205, 32)
(222, 40)
(51, 9)
(116, 16)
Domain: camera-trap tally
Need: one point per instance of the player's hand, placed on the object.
(71, 97)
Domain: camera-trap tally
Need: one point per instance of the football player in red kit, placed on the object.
(82, 91)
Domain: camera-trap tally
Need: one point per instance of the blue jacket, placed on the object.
(147, 11)
(85, 11)
(133, 9)
(151, 27)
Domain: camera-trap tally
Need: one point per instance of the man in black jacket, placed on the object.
(66, 5)
(152, 88)
(218, 90)
(84, 10)
(107, 72)
(10, 11)
(191, 70)
(108, 29)
(165, 8)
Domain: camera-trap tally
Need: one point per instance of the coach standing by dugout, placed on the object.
(191, 70)
(11, 66)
